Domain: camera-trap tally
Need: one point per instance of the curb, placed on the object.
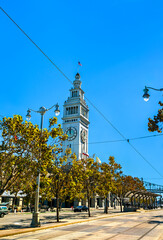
(12, 232)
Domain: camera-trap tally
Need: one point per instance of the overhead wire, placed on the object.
(117, 140)
(154, 135)
(106, 119)
(145, 159)
(36, 46)
(128, 140)
(152, 178)
(122, 140)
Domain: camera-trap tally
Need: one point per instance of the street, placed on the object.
(130, 226)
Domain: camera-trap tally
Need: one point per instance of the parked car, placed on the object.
(80, 209)
(4, 204)
(3, 211)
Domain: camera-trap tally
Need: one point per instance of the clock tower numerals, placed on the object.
(83, 135)
(72, 133)
(76, 120)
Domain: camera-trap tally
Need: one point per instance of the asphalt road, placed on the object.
(135, 226)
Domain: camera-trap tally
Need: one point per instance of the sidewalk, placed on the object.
(17, 223)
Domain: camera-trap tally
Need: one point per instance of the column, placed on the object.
(160, 201)
(95, 199)
(143, 202)
(102, 203)
(10, 201)
(21, 202)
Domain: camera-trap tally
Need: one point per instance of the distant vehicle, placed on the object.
(4, 204)
(3, 211)
(80, 209)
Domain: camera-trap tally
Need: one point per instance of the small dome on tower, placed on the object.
(77, 77)
(77, 82)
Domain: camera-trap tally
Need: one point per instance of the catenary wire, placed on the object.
(37, 46)
(106, 119)
(153, 178)
(155, 135)
(118, 140)
(85, 97)
(145, 159)
(128, 140)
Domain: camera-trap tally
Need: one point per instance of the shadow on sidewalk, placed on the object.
(13, 226)
(46, 219)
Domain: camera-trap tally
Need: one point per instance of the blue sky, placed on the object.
(119, 44)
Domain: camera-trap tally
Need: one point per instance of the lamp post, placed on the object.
(42, 110)
(146, 94)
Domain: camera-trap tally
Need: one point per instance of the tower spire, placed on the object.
(77, 83)
(76, 120)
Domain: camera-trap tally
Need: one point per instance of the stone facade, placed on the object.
(76, 120)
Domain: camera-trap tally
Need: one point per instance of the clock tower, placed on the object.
(75, 120)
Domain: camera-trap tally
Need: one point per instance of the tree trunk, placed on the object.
(106, 205)
(13, 202)
(121, 204)
(1, 191)
(57, 208)
(60, 206)
(89, 213)
(28, 205)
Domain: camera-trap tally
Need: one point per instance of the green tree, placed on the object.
(56, 182)
(25, 147)
(85, 174)
(108, 174)
(155, 124)
(27, 188)
(126, 184)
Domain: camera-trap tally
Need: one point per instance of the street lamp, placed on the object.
(42, 110)
(146, 94)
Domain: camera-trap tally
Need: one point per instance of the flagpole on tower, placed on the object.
(79, 64)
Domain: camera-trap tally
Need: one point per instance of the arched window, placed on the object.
(74, 94)
(72, 110)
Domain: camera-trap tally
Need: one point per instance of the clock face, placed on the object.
(71, 132)
(83, 135)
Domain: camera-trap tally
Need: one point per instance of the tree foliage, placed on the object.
(25, 149)
(155, 124)
(56, 183)
(107, 179)
(85, 173)
(126, 184)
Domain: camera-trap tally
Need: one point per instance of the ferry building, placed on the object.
(76, 125)
(76, 120)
